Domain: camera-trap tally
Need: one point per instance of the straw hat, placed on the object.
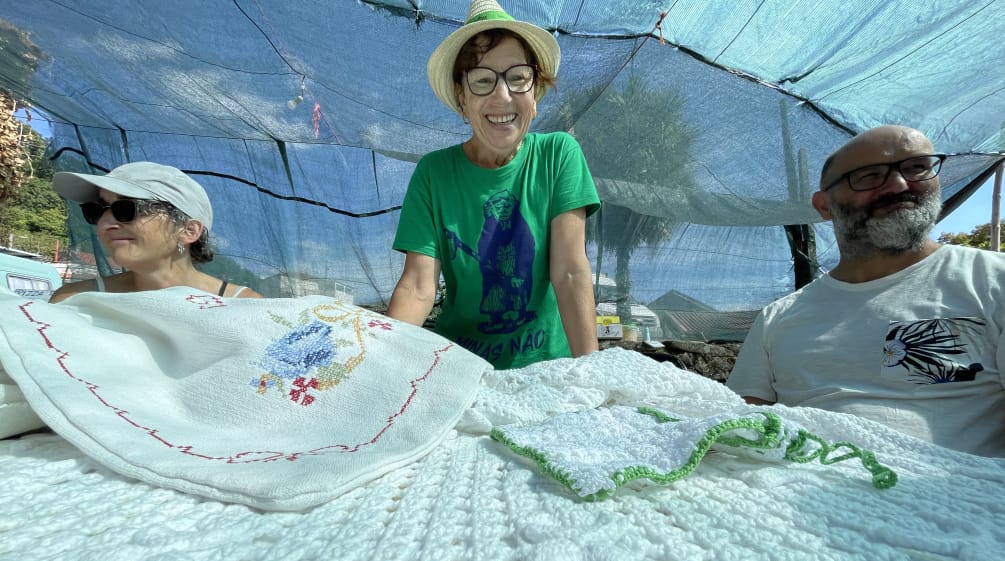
(483, 15)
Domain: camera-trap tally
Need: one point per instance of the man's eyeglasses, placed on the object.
(867, 178)
(518, 79)
(123, 210)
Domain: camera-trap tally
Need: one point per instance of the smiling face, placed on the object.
(150, 238)
(501, 119)
(894, 218)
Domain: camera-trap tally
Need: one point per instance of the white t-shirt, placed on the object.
(920, 350)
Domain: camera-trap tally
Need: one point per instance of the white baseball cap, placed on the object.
(140, 180)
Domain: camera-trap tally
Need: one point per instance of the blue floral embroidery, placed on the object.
(302, 349)
(302, 363)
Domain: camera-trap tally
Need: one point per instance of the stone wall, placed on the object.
(712, 360)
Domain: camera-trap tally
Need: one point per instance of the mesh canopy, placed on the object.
(704, 123)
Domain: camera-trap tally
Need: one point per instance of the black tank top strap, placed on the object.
(223, 288)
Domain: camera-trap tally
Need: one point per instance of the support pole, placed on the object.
(996, 199)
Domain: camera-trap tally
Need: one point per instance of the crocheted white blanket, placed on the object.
(472, 497)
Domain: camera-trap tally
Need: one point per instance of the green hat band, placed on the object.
(489, 15)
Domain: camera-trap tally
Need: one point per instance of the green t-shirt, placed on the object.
(490, 229)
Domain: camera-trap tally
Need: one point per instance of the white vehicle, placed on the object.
(23, 274)
(606, 293)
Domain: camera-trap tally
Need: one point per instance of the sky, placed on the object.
(974, 211)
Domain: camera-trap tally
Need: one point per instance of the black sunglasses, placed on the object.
(123, 210)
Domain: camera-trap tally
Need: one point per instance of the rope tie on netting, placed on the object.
(659, 27)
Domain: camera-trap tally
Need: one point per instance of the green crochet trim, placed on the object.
(542, 462)
(770, 436)
(799, 449)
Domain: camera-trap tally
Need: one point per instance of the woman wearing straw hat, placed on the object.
(153, 220)
(502, 215)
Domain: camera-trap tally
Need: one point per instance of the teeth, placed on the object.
(502, 119)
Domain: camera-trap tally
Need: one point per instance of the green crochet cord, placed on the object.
(770, 436)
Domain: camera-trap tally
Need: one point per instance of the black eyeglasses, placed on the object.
(518, 79)
(123, 210)
(867, 178)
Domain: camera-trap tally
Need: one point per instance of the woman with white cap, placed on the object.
(503, 215)
(152, 220)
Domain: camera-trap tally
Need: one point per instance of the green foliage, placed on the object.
(979, 237)
(35, 209)
(33, 218)
(636, 134)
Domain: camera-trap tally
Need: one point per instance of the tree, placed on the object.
(637, 134)
(979, 237)
(12, 160)
(18, 57)
(35, 209)
(33, 214)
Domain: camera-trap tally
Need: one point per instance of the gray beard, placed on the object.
(859, 234)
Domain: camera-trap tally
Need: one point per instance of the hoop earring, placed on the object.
(181, 249)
